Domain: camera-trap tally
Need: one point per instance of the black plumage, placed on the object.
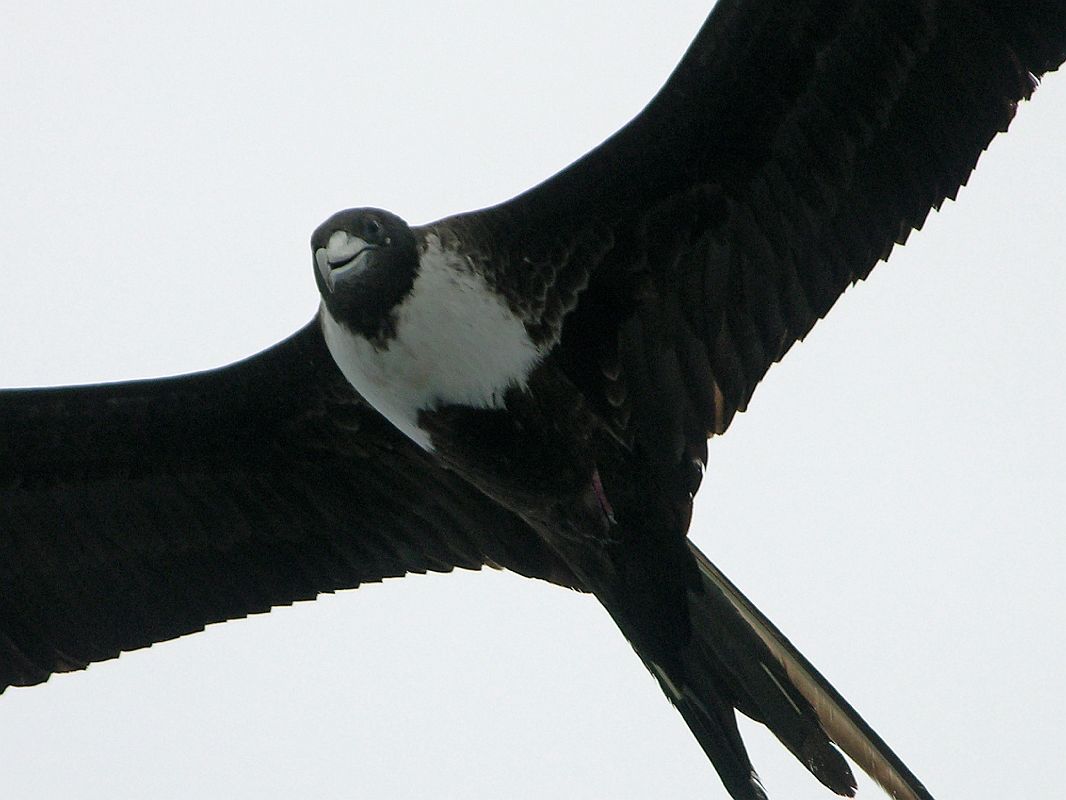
(775, 212)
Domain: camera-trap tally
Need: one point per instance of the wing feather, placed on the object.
(136, 512)
(791, 148)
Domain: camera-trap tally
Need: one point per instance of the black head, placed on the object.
(365, 263)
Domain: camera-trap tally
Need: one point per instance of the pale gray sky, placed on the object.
(893, 500)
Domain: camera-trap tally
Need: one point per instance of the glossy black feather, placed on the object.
(668, 269)
(793, 146)
(137, 512)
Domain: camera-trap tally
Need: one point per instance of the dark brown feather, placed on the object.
(794, 145)
(137, 512)
(791, 149)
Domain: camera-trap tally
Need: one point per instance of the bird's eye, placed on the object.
(373, 228)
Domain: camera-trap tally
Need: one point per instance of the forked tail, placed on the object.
(736, 658)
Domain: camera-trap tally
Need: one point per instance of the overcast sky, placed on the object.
(893, 499)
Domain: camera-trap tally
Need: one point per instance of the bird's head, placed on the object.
(365, 263)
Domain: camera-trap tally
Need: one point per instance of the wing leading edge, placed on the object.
(136, 512)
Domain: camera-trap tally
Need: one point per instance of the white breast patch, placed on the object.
(456, 343)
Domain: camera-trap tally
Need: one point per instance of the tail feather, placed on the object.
(759, 686)
(739, 777)
(713, 723)
(738, 658)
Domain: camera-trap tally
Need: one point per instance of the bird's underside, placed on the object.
(532, 386)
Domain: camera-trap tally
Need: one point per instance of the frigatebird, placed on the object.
(336, 259)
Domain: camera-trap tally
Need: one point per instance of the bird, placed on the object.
(350, 244)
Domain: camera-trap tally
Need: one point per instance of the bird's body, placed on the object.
(553, 365)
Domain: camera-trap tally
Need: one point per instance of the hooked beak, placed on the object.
(343, 255)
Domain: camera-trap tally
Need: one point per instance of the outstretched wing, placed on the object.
(794, 145)
(136, 512)
(791, 148)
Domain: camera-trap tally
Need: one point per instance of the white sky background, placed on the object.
(893, 500)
